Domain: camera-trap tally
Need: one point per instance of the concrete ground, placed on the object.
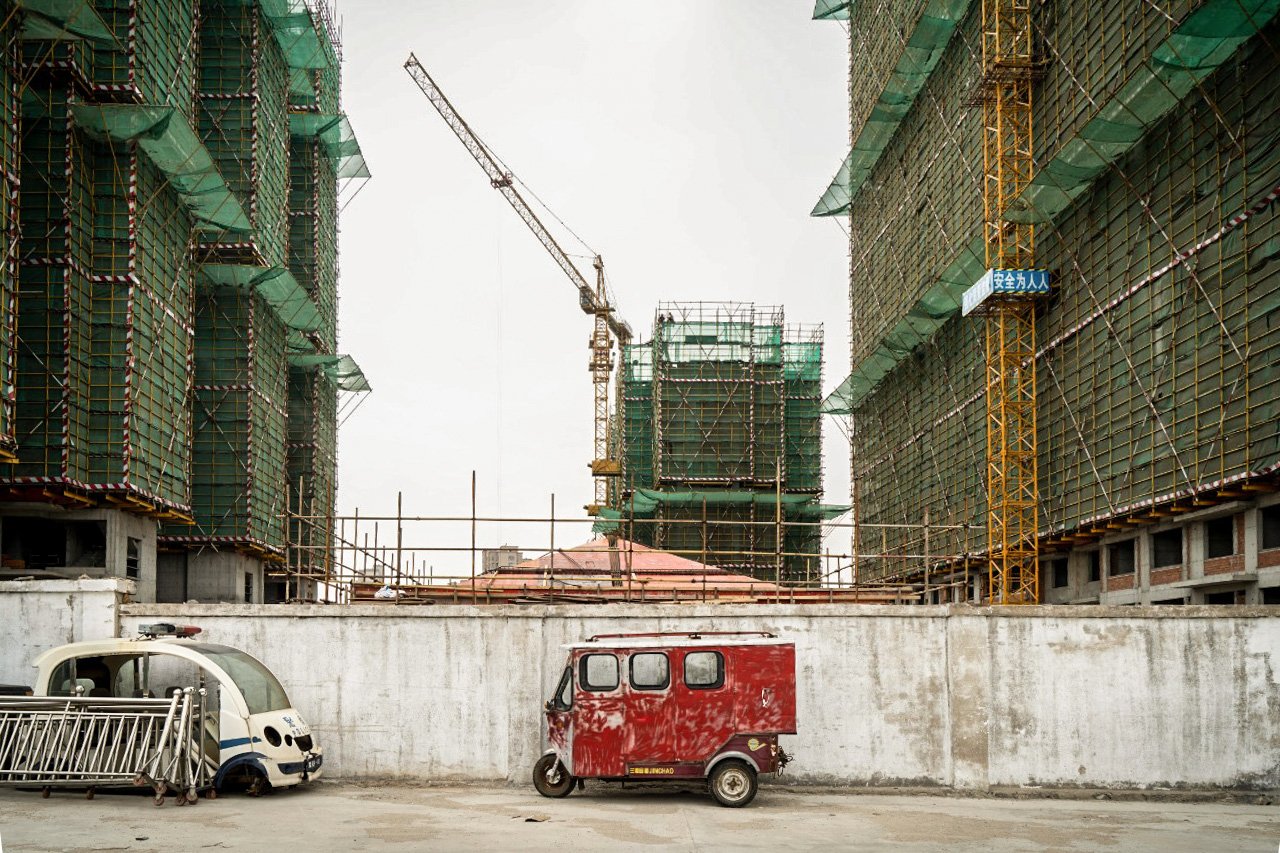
(334, 816)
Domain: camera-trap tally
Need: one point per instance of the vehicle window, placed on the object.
(127, 681)
(650, 671)
(262, 692)
(62, 682)
(168, 673)
(599, 672)
(563, 698)
(93, 674)
(703, 670)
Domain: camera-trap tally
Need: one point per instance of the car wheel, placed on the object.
(733, 783)
(551, 778)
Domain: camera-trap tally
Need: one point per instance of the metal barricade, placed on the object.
(89, 742)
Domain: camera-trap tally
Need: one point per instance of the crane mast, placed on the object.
(593, 300)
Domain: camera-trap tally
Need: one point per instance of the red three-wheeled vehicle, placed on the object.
(671, 707)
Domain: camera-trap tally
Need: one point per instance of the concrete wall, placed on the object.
(38, 615)
(957, 696)
(208, 577)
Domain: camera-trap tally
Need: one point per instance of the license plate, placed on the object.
(313, 763)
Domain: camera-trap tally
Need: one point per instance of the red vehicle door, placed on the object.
(704, 698)
(598, 730)
(765, 689)
(650, 715)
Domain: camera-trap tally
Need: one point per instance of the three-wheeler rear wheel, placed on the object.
(551, 778)
(733, 783)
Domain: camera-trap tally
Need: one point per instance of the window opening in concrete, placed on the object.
(1222, 598)
(1169, 601)
(1220, 537)
(1058, 571)
(1122, 558)
(86, 544)
(650, 671)
(599, 672)
(248, 587)
(1271, 526)
(34, 543)
(132, 549)
(704, 670)
(1095, 566)
(1167, 548)
(1271, 595)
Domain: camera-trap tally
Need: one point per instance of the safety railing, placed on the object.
(89, 742)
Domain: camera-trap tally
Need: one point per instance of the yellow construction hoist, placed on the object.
(1006, 296)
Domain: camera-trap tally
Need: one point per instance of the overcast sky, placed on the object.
(685, 140)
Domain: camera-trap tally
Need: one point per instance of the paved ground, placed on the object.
(332, 816)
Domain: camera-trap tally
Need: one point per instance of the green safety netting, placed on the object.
(644, 503)
(924, 48)
(936, 307)
(303, 45)
(342, 369)
(175, 149)
(276, 285)
(336, 136)
(802, 361)
(1202, 42)
(831, 10)
(294, 30)
(58, 20)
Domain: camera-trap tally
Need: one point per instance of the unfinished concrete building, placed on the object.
(722, 440)
(168, 336)
(1153, 195)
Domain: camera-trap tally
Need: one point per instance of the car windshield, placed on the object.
(262, 692)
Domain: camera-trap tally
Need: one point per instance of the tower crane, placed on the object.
(593, 300)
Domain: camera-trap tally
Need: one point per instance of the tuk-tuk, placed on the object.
(251, 731)
(671, 707)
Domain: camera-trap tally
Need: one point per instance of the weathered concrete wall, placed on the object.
(957, 696)
(38, 615)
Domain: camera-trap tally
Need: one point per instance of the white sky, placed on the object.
(685, 140)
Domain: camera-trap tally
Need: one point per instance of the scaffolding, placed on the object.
(157, 156)
(105, 305)
(721, 423)
(1154, 205)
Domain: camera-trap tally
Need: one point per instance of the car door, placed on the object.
(704, 695)
(598, 738)
(650, 710)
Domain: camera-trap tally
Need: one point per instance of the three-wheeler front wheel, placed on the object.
(733, 783)
(551, 778)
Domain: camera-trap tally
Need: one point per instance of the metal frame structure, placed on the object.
(89, 742)
(1007, 144)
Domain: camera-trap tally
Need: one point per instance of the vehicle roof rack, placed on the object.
(690, 635)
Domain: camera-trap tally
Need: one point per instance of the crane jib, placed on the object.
(592, 300)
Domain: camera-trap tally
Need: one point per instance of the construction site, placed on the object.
(1112, 437)
(170, 354)
(1062, 279)
(1061, 407)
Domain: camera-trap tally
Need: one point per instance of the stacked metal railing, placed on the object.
(91, 742)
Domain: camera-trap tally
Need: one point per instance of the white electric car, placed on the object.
(253, 733)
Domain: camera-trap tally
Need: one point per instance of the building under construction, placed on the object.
(1154, 172)
(721, 439)
(168, 340)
